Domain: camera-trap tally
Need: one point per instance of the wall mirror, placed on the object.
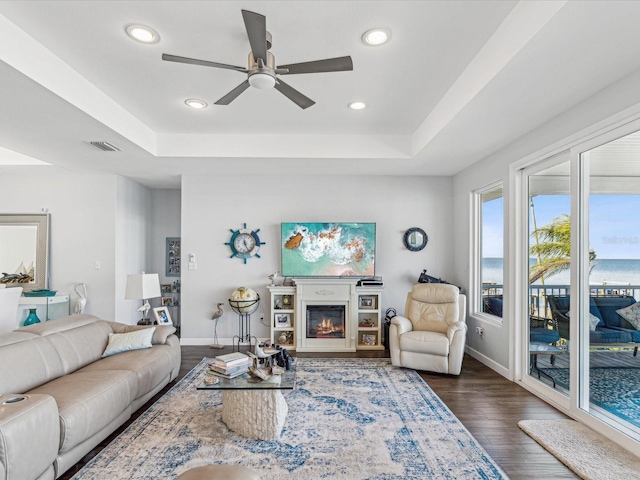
(24, 249)
(415, 239)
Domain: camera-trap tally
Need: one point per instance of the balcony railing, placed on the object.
(538, 307)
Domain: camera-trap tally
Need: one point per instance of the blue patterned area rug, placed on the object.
(348, 419)
(616, 390)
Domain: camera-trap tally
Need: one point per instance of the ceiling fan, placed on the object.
(262, 71)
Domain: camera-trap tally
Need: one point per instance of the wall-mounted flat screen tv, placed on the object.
(328, 249)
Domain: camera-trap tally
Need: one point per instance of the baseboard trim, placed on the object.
(493, 365)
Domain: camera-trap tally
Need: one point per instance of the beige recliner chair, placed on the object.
(432, 333)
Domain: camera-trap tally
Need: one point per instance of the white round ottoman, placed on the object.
(219, 472)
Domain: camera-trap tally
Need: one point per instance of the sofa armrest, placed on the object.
(402, 324)
(454, 329)
(28, 423)
(399, 325)
(457, 334)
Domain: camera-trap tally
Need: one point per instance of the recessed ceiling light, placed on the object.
(376, 36)
(195, 103)
(357, 105)
(142, 33)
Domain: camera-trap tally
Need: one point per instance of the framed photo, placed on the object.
(165, 288)
(368, 339)
(173, 257)
(167, 301)
(368, 302)
(163, 317)
(283, 319)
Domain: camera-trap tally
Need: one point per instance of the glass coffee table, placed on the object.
(254, 409)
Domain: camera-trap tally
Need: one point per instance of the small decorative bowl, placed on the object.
(40, 293)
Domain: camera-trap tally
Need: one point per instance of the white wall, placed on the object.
(82, 230)
(133, 250)
(493, 349)
(214, 205)
(165, 222)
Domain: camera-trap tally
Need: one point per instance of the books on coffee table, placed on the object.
(230, 365)
(228, 373)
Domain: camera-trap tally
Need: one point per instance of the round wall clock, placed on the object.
(244, 243)
(415, 239)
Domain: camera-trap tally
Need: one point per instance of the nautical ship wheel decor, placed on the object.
(244, 243)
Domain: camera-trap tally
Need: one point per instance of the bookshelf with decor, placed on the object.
(369, 318)
(282, 315)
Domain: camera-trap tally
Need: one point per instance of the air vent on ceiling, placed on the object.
(106, 146)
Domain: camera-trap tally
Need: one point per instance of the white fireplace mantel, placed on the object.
(327, 291)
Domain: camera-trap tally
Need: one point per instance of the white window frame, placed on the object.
(475, 271)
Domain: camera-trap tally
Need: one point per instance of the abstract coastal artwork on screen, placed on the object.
(328, 249)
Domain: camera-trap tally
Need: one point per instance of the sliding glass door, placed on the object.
(548, 250)
(580, 280)
(610, 325)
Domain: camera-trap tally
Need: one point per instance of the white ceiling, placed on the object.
(458, 81)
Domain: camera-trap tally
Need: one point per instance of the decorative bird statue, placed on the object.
(81, 302)
(144, 308)
(273, 277)
(216, 316)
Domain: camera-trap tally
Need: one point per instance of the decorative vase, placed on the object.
(31, 318)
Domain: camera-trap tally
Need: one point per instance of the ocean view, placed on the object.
(612, 271)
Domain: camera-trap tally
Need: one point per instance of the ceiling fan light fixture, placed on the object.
(142, 33)
(195, 103)
(262, 81)
(376, 37)
(357, 105)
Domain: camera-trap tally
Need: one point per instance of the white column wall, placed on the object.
(133, 250)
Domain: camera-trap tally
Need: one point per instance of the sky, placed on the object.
(614, 223)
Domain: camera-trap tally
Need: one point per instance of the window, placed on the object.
(489, 256)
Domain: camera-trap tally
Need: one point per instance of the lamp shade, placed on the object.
(142, 286)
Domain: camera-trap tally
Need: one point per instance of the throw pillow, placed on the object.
(631, 314)
(123, 342)
(159, 337)
(593, 321)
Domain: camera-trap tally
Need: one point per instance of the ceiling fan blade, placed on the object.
(256, 26)
(233, 94)
(192, 61)
(339, 64)
(293, 95)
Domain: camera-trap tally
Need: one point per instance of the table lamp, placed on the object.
(143, 286)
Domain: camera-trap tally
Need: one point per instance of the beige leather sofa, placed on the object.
(60, 398)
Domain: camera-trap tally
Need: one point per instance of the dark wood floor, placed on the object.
(488, 405)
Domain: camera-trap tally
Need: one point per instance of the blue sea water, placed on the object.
(611, 271)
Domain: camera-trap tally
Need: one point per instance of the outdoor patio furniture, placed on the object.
(611, 331)
(541, 330)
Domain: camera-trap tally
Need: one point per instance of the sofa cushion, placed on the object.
(610, 335)
(419, 341)
(593, 321)
(608, 307)
(89, 401)
(494, 306)
(543, 335)
(631, 314)
(123, 342)
(151, 366)
(27, 361)
(78, 339)
(563, 304)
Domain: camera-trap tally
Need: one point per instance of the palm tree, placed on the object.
(552, 248)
